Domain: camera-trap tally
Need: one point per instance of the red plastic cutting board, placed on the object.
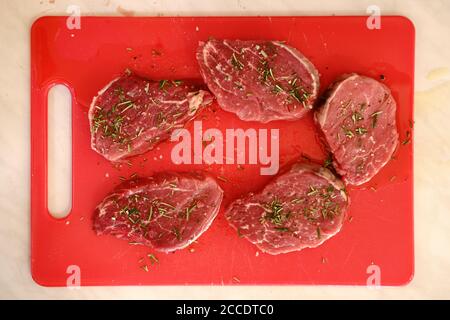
(381, 229)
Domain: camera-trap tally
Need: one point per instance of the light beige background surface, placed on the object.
(432, 145)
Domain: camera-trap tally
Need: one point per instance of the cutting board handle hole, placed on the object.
(59, 151)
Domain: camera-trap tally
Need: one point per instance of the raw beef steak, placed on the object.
(299, 209)
(167, 211)
(259, 80)
(132, 114)
(358, 125)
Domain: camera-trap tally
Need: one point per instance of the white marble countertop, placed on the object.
(432, 145)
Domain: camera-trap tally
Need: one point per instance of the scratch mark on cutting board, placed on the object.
(233, 256)
(324, 43)
(120, 254)
(232, 260)
(350, 252)
(306, 274)
(250, 265)
(306, 39)
(290, 31)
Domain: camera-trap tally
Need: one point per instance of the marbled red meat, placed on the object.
(259, 80)
(132, 114)
(358, 125)
(300, 208)
(167, 211)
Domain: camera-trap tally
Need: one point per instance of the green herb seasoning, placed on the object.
(312, 191)
(132, 214)
(150, 213)
(160, 119)
(374, 117)
(139, 131)
(293, 82)
(134, 175)
(348, 133)
(176, 232)
(162, 84)
(322, 205)
(176, 115)
(299, 94)
(163, 212)
(264, 54)
(168, 205)
(277, 89)
(328, 161)
(126, 102)
(238, 85)
(266, 72)
(222, 178)
(190, 209)
(120, 93)
(356, 116)
(271, 74)
(98, 121)
(297, 200)
(128, 106)
(274, 212)
(153, 258)
(407, 139)
(361, 130)
(111, 122)
(238, 65)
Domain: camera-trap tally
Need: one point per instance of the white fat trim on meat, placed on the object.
(92, 109)
(216, 81)
(322, 114)
(305, 62)
(230, 47)
(205, 60)
(173, 101)
(328, 176)
(220, 69)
